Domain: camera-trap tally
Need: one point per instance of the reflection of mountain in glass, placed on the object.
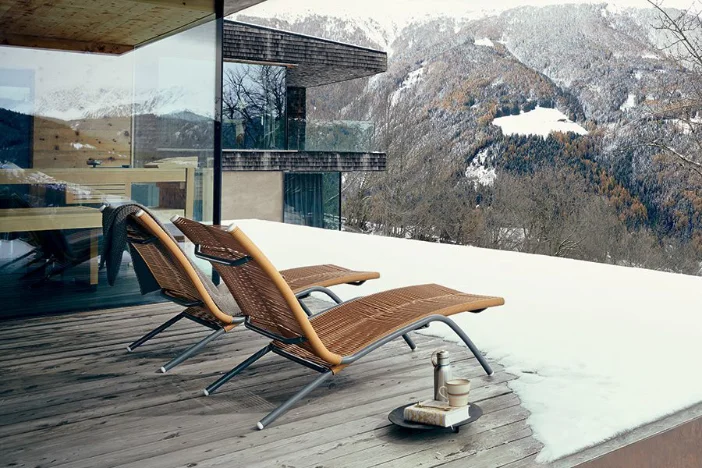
(77, 103)
(35, 141)
(253, 101)
(180, 134)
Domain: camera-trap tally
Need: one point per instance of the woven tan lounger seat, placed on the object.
(353, 326)
(331, 340)
(214, 307)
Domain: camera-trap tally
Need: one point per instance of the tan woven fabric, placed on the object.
(170, 276)
(251, 287)
(354, 325)
(324, 275)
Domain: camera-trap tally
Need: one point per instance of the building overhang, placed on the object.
(302, 161)
(113, 27)
(311, 61)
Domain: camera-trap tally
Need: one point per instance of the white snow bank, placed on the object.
(630, 102)
(598, 349)
(409, 82)
(484, 42)
(481, 175)
(478, 172)
(540, 121)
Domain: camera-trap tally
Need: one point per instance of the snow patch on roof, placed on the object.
(540, 121)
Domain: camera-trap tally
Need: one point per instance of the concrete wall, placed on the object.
(257, 195)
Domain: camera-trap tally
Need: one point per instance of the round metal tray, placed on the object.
(397, 417)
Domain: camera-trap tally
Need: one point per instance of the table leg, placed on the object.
(94, 264)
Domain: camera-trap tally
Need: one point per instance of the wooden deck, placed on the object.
(70, 395)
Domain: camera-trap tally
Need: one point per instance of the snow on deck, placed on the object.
(540, 121)
(599, 349)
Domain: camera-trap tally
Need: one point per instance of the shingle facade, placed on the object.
(312, 61)
(302, 161)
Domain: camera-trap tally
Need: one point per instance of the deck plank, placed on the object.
(74, 397)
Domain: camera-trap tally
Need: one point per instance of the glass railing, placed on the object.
(346, 136)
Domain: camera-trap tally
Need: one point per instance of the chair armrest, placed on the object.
(220, 260)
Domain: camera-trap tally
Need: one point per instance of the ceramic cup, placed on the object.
(457, 391)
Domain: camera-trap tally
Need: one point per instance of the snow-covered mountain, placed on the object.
(458, 71)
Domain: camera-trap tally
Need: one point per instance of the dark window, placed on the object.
(313, 199)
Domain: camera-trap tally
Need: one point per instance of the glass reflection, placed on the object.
(313, 199)
(253, 102)
(80, 130)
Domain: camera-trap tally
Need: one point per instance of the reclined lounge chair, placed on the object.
(333, 339)
(185, 284)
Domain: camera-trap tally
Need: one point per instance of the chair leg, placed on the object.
(192, 350)
(273, 415)
(232, 373)
(476, 352)
(153, 333)
(409, 342)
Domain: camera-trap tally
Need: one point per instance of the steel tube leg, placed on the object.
(232, 373)
(153, 333)
(409, 341)
(476, 352)
(320, 289)
(331, 294)
(191, 350)
(273, 415)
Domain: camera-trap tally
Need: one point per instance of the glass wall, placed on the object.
(253, 107)
(344, 136)
(78, 130)
(313, 199)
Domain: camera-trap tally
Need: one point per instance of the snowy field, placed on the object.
(540, 121)
(598, 349)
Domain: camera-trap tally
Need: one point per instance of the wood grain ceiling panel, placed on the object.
(113, 26)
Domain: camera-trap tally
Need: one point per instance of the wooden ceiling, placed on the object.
(111, 27)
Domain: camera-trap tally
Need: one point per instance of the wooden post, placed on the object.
(189, 192)
(94, 261)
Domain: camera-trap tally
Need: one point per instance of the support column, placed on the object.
(296, 117)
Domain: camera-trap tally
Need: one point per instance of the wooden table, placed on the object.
(61, 217)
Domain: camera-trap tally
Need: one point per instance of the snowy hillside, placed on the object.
(540, 121)
(383, 21)
(466, 84)
(589, 342)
